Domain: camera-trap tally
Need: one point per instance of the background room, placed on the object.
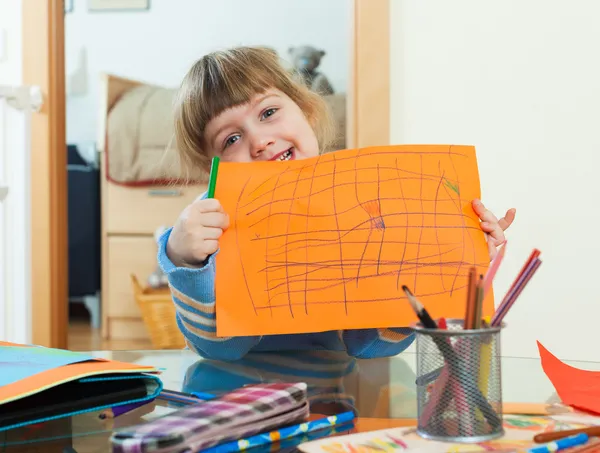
(129, 62)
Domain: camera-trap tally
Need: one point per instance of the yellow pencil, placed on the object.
(478, 303)
(485, 363)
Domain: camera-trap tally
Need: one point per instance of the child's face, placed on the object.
(269, 127)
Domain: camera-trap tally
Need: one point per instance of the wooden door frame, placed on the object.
(369, 94)
(44, 65)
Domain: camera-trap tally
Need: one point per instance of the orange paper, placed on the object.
(577, 388)
(38, 382)
(327, 243)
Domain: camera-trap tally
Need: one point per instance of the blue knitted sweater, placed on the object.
(193, 292)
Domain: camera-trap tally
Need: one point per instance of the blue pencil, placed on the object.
(185, 398)
(281, 434)
(561, 444)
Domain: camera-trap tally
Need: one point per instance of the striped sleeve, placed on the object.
(193, 293)
(373, 343)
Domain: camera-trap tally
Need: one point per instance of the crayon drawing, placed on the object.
(327, 243)
(518, 437)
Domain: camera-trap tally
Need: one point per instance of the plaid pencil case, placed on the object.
(246, 411)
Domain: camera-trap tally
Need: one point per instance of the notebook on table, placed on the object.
(38, 384)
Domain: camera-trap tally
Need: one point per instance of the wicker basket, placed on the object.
(158, 313)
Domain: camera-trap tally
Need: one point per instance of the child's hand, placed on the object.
(196, 233)
(492, 226)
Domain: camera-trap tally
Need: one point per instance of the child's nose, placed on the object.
(260, 145)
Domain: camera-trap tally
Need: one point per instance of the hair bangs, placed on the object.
(227, 83)
(225, 79)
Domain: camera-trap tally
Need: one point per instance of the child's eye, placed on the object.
(267, 113)
(231, 140)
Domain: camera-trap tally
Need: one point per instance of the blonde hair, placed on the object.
(224, 79)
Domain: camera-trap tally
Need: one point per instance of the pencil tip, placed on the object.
(414, 304)
(412, 300)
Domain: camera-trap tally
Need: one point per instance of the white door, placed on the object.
(16, 104)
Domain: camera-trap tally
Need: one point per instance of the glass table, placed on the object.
(381, 391)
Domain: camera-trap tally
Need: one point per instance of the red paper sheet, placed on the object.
(577, 388)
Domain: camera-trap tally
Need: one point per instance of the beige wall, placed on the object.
(521, 82)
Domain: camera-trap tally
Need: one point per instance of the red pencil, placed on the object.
(534, 254)
(513, 294)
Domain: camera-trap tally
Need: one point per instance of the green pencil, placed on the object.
(212, 180)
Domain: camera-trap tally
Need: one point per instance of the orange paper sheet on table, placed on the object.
(34, 382)
(576, 388)
(327, 243)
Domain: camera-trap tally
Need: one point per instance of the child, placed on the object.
(243, 106)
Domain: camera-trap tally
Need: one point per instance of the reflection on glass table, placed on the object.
(381, 391)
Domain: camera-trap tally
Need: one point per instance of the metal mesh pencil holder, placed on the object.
(459, 385)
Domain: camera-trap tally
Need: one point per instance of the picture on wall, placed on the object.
(118, 5)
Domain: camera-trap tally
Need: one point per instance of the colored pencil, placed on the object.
(479, 294)
(471, 297)
(530, 261)
(185, 398)
(433, 375)
(591, 446)
(516, 289)
(485, 363)
(419, 309)
(535, 253)
(454, 364)
(555, 435)
(561, 444)
(291, 445)
(282, 433)
(212, 181)
(115, 411)
(491, 273)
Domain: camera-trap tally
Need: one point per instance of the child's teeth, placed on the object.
(286, 155)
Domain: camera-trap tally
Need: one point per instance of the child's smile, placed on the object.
(288, 154)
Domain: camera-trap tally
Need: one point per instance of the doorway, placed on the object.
(78, 57)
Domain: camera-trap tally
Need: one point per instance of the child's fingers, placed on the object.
(214, 220)
(209, 233)
(208, 205)
(484, 214)
(508, 219)
(491, 248)
(494, 231)
(206, 248)
(497, 236)
(488, 227)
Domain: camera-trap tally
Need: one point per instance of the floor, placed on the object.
(82, 337)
